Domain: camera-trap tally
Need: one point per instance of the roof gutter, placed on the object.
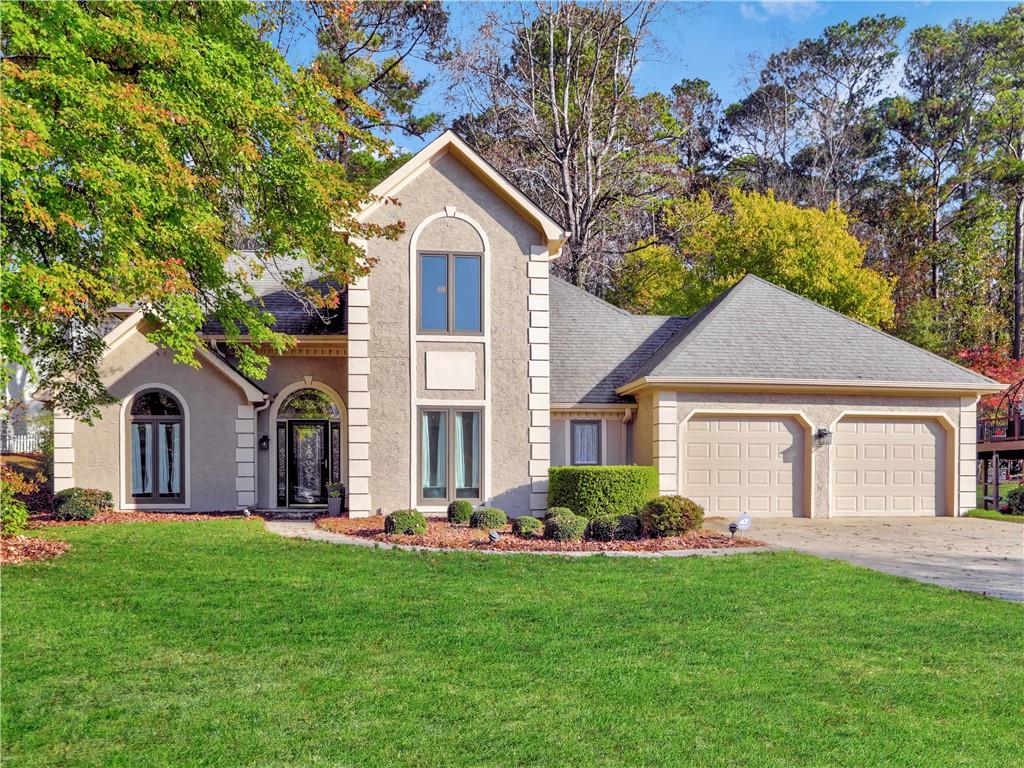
(823, 386)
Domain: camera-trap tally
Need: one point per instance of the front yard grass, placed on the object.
(216, 643)
(991, 514)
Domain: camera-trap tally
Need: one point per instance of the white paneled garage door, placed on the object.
(883, 466)
(754, 464)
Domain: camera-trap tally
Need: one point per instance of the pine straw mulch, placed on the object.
(26, 549)
(131, 516)
(442, 534)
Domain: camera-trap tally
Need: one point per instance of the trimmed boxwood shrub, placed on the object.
(565, 527)
(670, 516)
(601, 528)
(459, 512)
(598, 491)
(406, 522)
(81, 503)
(1015, 501)
(627, 528)
(556, 511)
(527, 526)
(489, 518)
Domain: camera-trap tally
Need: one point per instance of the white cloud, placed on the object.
(790, 10)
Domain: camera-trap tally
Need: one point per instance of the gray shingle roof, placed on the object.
(757, 330)
(291, 314)
(596, 347)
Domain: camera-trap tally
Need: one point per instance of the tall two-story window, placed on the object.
(450, 454)
(450, 293)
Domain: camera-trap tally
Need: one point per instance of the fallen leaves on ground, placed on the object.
(24, 549)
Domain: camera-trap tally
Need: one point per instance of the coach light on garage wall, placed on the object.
(822, 436)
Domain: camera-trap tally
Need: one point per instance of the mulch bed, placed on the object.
(25, 549)
(130, 516)
(440, 533)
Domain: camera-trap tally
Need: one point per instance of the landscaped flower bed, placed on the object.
(441, 533)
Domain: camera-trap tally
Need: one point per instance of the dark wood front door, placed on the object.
(307, 463)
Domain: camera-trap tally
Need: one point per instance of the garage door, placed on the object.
(888, 467)
(734, 464)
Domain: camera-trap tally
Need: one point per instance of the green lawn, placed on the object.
(991, 514)
(219, 644)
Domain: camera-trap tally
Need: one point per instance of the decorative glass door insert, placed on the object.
(307, 458)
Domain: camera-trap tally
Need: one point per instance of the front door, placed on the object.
(307, 463)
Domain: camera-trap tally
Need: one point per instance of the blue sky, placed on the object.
(714, 40)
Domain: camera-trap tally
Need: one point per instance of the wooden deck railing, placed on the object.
(1001, 428)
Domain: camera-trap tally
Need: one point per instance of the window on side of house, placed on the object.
(157, 438)
(585, 442)
(450, 293)
(450, 454)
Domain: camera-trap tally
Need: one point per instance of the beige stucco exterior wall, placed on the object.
(955, 413)
(212, 403)
(448, 190)
(285, 371)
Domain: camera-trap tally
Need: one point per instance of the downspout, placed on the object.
(267, 400)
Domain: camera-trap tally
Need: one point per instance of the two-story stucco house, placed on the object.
(461, 369)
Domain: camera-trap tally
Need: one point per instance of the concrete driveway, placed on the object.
(983, 556)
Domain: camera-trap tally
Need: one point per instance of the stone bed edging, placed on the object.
(291, 529)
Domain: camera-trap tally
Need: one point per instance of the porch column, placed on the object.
(360, 504)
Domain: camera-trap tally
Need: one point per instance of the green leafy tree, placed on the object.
(141, 142)
(806, 250)
(935, 127)
(1002, 120)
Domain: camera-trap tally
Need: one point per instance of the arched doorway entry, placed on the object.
(309, 446)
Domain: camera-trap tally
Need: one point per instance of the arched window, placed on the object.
(157, 439)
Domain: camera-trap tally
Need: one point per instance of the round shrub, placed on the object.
(628, 528)
(527, 526)
(598, 491)
(489, 518)
(459, 512)
(670, 516)
(565, 527)
(406, 522)
(81, 503)
(1015, 501)
(601, 528)
(556, 511)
